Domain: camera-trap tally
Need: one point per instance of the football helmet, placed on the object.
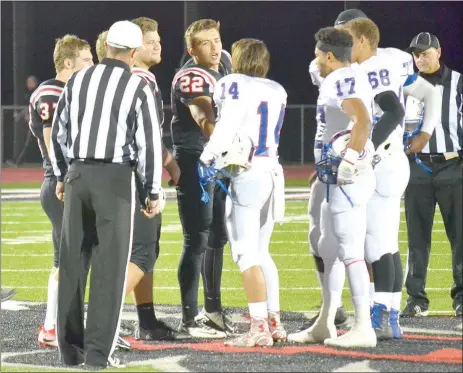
(414, 113)
(334, 151)
(238, 157)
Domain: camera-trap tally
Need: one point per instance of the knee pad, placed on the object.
(247, 260)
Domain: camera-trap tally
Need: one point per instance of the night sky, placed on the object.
(287, 28)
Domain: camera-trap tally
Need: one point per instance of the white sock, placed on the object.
(372, 293)
(52, 302)
(272, 283)
(357, 274)
(258, 309)
(384, 298)
(334, 280)
(396, 300)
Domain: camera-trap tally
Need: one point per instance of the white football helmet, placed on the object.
(239, 154)
(338, 147)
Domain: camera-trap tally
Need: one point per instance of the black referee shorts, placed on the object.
(145, 244)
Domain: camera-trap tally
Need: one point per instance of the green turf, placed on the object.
(21, 185)
(27, 259)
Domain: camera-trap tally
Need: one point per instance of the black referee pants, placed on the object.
(99, 200)
(444, 187)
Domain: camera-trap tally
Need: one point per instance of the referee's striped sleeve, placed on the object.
(148, 141)
(59, 135)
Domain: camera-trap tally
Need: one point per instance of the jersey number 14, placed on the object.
(262, 110)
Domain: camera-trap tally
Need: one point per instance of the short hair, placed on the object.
(68, 46)
(198, 26)
(100, 46)
(250, 57)
(365, 27)
(146, 24)
(337, 38)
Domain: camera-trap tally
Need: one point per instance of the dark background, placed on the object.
(286, 26)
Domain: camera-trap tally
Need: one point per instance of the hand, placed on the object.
(418, 143)
(153, 209)
(174, 173)
(60, 190)
(312, 178)
(346, 172)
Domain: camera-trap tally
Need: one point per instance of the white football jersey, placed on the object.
(248, 106)
(402, 60)
(341, 84)
(384, 75)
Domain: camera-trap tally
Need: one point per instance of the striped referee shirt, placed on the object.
(107, 113)
(448, 135)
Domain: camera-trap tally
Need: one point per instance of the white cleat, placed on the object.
(355, 338)
(317, 333)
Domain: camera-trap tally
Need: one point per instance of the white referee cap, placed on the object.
(124, 34)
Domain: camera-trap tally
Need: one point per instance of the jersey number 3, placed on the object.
(45, 110)
(263, 129)
(190, 84)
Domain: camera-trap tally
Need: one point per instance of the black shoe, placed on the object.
(340, 320)
(414, 310)
(112, 363)
(220, 321)
(459, 311)
(7, 294)
(161, 332)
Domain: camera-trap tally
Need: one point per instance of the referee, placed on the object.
(105, 124)
(437, 180)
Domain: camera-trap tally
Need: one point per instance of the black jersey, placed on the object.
(42, 106)
(191, 81)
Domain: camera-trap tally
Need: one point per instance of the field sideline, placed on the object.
(26, 259)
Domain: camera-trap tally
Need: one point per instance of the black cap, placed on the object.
(349, 15)
(423, 41)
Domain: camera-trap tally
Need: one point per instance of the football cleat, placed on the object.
(47, 338)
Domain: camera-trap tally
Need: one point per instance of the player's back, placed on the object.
(192, 81)
(264, 102)
(42, 106)
(384, 74)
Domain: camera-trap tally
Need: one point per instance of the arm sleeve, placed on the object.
(148, 141)
(424, 91)
(59, 134)
(393, 113)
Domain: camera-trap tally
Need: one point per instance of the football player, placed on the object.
(71, 54)
(416, 87)
(252, 107)
(147, 232)
(344, 107)
(203, 223)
